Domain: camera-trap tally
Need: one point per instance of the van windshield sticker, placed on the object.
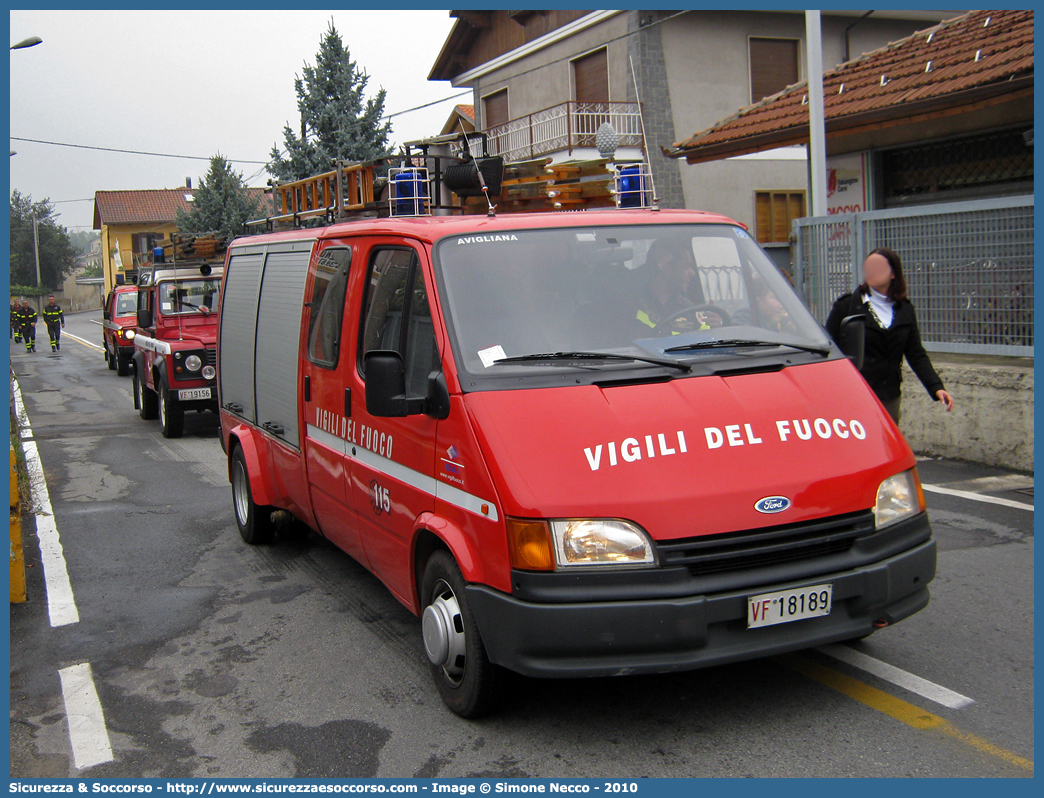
(491, 355)
(487, 239)
(165, 306)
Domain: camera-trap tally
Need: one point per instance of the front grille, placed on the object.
(757, 548)
(211, 359)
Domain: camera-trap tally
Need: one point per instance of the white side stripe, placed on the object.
(83, 713)
(415, 479)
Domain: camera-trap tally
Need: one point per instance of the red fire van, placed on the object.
(119, 318)
(583, 444)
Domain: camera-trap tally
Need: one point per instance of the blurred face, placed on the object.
(677, 272)
(51, 301)
(877, 272)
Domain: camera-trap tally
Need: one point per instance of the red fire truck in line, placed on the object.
(119, 318)
(174, 344)
(582, 444)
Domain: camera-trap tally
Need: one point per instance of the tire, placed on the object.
(109, 360)
(145, 399)
(254, 522)
(469, 684)
(123, 366)
(171, 413)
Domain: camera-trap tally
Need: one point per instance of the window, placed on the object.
(125, 304)
(189, 296)
(327, 306)
(591, 78)
(774, 211)
(495, 109)
(398, 317)
(773, 66)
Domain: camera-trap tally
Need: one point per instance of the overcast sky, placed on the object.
(192, 83)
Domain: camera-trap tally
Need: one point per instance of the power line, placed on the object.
(129, 152)
(201, 158)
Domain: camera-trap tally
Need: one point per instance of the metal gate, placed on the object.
(968, 268)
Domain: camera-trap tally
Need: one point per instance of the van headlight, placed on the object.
(898, 497)
(193, 363)
(128, 334)
(600, 542)
(209, 372)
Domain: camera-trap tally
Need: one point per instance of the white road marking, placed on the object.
(897, 676)
(95, 321)
(61, 604)
(83, 713)
(978, 497)
(83, 341)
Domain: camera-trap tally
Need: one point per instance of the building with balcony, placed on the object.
(544, 81)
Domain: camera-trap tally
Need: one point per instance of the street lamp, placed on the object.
(32, 41)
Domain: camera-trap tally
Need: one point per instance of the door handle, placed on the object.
(347, 402)
(274, 427)
(308, 388)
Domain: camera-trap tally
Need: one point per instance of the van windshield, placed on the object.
(658, 292)
(189, 296)
(126, 303)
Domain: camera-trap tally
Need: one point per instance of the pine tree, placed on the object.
(338, 122)
(221, 203)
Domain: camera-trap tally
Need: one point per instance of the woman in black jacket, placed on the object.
(891, 331)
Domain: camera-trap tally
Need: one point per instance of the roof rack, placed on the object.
(441, 177)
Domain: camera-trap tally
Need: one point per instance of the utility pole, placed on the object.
(36, 248)
(816, 124)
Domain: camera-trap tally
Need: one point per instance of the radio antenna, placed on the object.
(645, 144)
(491, 213)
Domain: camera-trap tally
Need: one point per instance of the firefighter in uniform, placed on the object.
(55, 320)
(16, 321)
(28, 319)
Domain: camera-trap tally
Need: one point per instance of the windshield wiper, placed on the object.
(545, 356)
(731, 343)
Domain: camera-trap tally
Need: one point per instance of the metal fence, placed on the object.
(968, 268)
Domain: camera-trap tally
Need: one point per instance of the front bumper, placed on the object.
(604, 638)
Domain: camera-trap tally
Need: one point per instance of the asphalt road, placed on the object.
(214, 659)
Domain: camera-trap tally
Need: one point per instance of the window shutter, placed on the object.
(773, 66)
(495, 109)
(591, 77)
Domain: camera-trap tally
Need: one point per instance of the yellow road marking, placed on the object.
(897, 708)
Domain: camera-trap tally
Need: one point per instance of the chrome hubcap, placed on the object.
(443, 630)
(239, 493)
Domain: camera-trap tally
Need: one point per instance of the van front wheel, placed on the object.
(468, 682)
(254, 522)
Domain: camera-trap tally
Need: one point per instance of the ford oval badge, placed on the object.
(772, 504)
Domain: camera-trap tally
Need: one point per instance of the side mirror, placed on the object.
(385, 384)
(852, 338)
(144, 318)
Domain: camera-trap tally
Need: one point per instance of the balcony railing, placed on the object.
(563, 127)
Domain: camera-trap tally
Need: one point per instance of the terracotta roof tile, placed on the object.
(468, 111)
(969, 52)
(139, 207)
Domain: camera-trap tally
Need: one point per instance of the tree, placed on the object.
(57, 255)
(221, 204)
(337, 122)
(82, 240)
